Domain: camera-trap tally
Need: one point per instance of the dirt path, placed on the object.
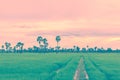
(81, 73)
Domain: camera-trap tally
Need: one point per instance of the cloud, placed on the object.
(77, 33)
(23, 26)
(35, 10)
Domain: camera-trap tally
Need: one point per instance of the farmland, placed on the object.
(35, 66)
(103, 66)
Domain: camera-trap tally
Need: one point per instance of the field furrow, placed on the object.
(102, 71)
(103, 66)
(55, 72)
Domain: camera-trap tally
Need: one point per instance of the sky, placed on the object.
(78, 22)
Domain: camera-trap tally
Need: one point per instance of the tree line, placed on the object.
(43, 48)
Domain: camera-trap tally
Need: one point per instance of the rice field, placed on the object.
(103, 66)
(61, 66)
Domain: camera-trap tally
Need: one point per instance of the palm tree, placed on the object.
(74, 48)
(39, 40)
(7, 44)
(44, 40)
(20, 46)
(58, 40)
(45, 43)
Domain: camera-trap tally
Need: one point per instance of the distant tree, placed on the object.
(57, 48)
(2, 48)
(7, 44)
(35, 48)
(43, 47)
(91, 50)
(45, 43)
(87, 47)
(76, 49)
(30, 50)
(95, 48)
(83, 50)
(11, 49)
(51, 49)
(14, 49)
(58, 39)
(102, 48)
(40, 40)
(109, 50)
(20, 46)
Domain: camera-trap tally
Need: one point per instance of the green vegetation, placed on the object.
(38, 66)
(45, 48)
(29, 66)
(103, 66)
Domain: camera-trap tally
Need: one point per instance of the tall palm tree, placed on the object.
(58, 38)
(7, 44)
(44, 40)
(39, 40)
(21, 47)
(45, 43)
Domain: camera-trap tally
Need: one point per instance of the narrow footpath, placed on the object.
(81, 73)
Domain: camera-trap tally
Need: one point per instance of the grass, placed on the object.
(103, 66)
(34, 66)
(38, 66)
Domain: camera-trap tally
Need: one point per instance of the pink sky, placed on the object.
(79, 22)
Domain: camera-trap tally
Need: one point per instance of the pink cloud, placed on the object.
(58, 9)
(79, 32)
